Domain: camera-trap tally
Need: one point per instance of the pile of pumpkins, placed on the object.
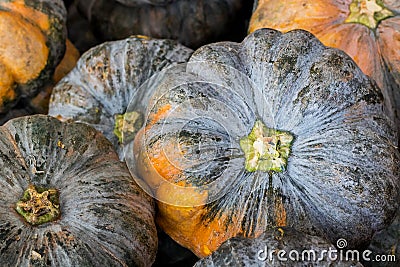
(173, 129)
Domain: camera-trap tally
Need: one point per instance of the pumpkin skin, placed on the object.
(239, 251)
(105, 220)
(191, 23)
(374, 48)
(39, 104)
(340, 180)
(107, 77)
(32, 43)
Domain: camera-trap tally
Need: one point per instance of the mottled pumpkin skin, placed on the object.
(192, 23)
(107, 77)
(106, 219)
(342, 175)
(375, 50)
(263, 251)
(32, 43)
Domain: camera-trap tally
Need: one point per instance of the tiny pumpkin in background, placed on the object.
(67, 200)
(367, 30)
(32, 43)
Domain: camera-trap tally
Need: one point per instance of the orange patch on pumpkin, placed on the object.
(23, 48)
(33, 15)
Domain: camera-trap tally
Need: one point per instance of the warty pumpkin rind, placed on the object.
(106, 219)
(374, 50)
(46, 18)
(107, 77)
(341, 179)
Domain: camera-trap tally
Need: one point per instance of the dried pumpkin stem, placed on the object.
(127, 125)
(368, 12)
(39, 205)
(266, 149)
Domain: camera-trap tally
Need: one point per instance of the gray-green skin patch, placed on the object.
(127, 125)
(39, 205)
(368, 12)
(266, 149)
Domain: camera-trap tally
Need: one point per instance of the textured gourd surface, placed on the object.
(107, 77)
(341, 179)
(375, 49)
(106, 219)
(240, 251)
(32, 43)
(192, 23)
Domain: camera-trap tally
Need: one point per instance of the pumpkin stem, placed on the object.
(126, 125)
(368, 12)
(39, 205)
(266, 149)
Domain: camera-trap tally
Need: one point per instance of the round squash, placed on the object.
(278, 130)
(281, 246)
(67, 200)
(32, 43)
(98, 90)
(367, 30)
(192, 23)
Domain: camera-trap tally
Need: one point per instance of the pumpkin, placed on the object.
(191, 23)
(32, 43)
(367, 30)
(277, 130)
(67, 200)
(98, 90)
(281, 246)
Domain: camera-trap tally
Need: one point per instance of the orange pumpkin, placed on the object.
(367, 30)
(32, 43)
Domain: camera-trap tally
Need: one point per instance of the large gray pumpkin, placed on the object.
(91, 213)
(98, 90)
(276, 130)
